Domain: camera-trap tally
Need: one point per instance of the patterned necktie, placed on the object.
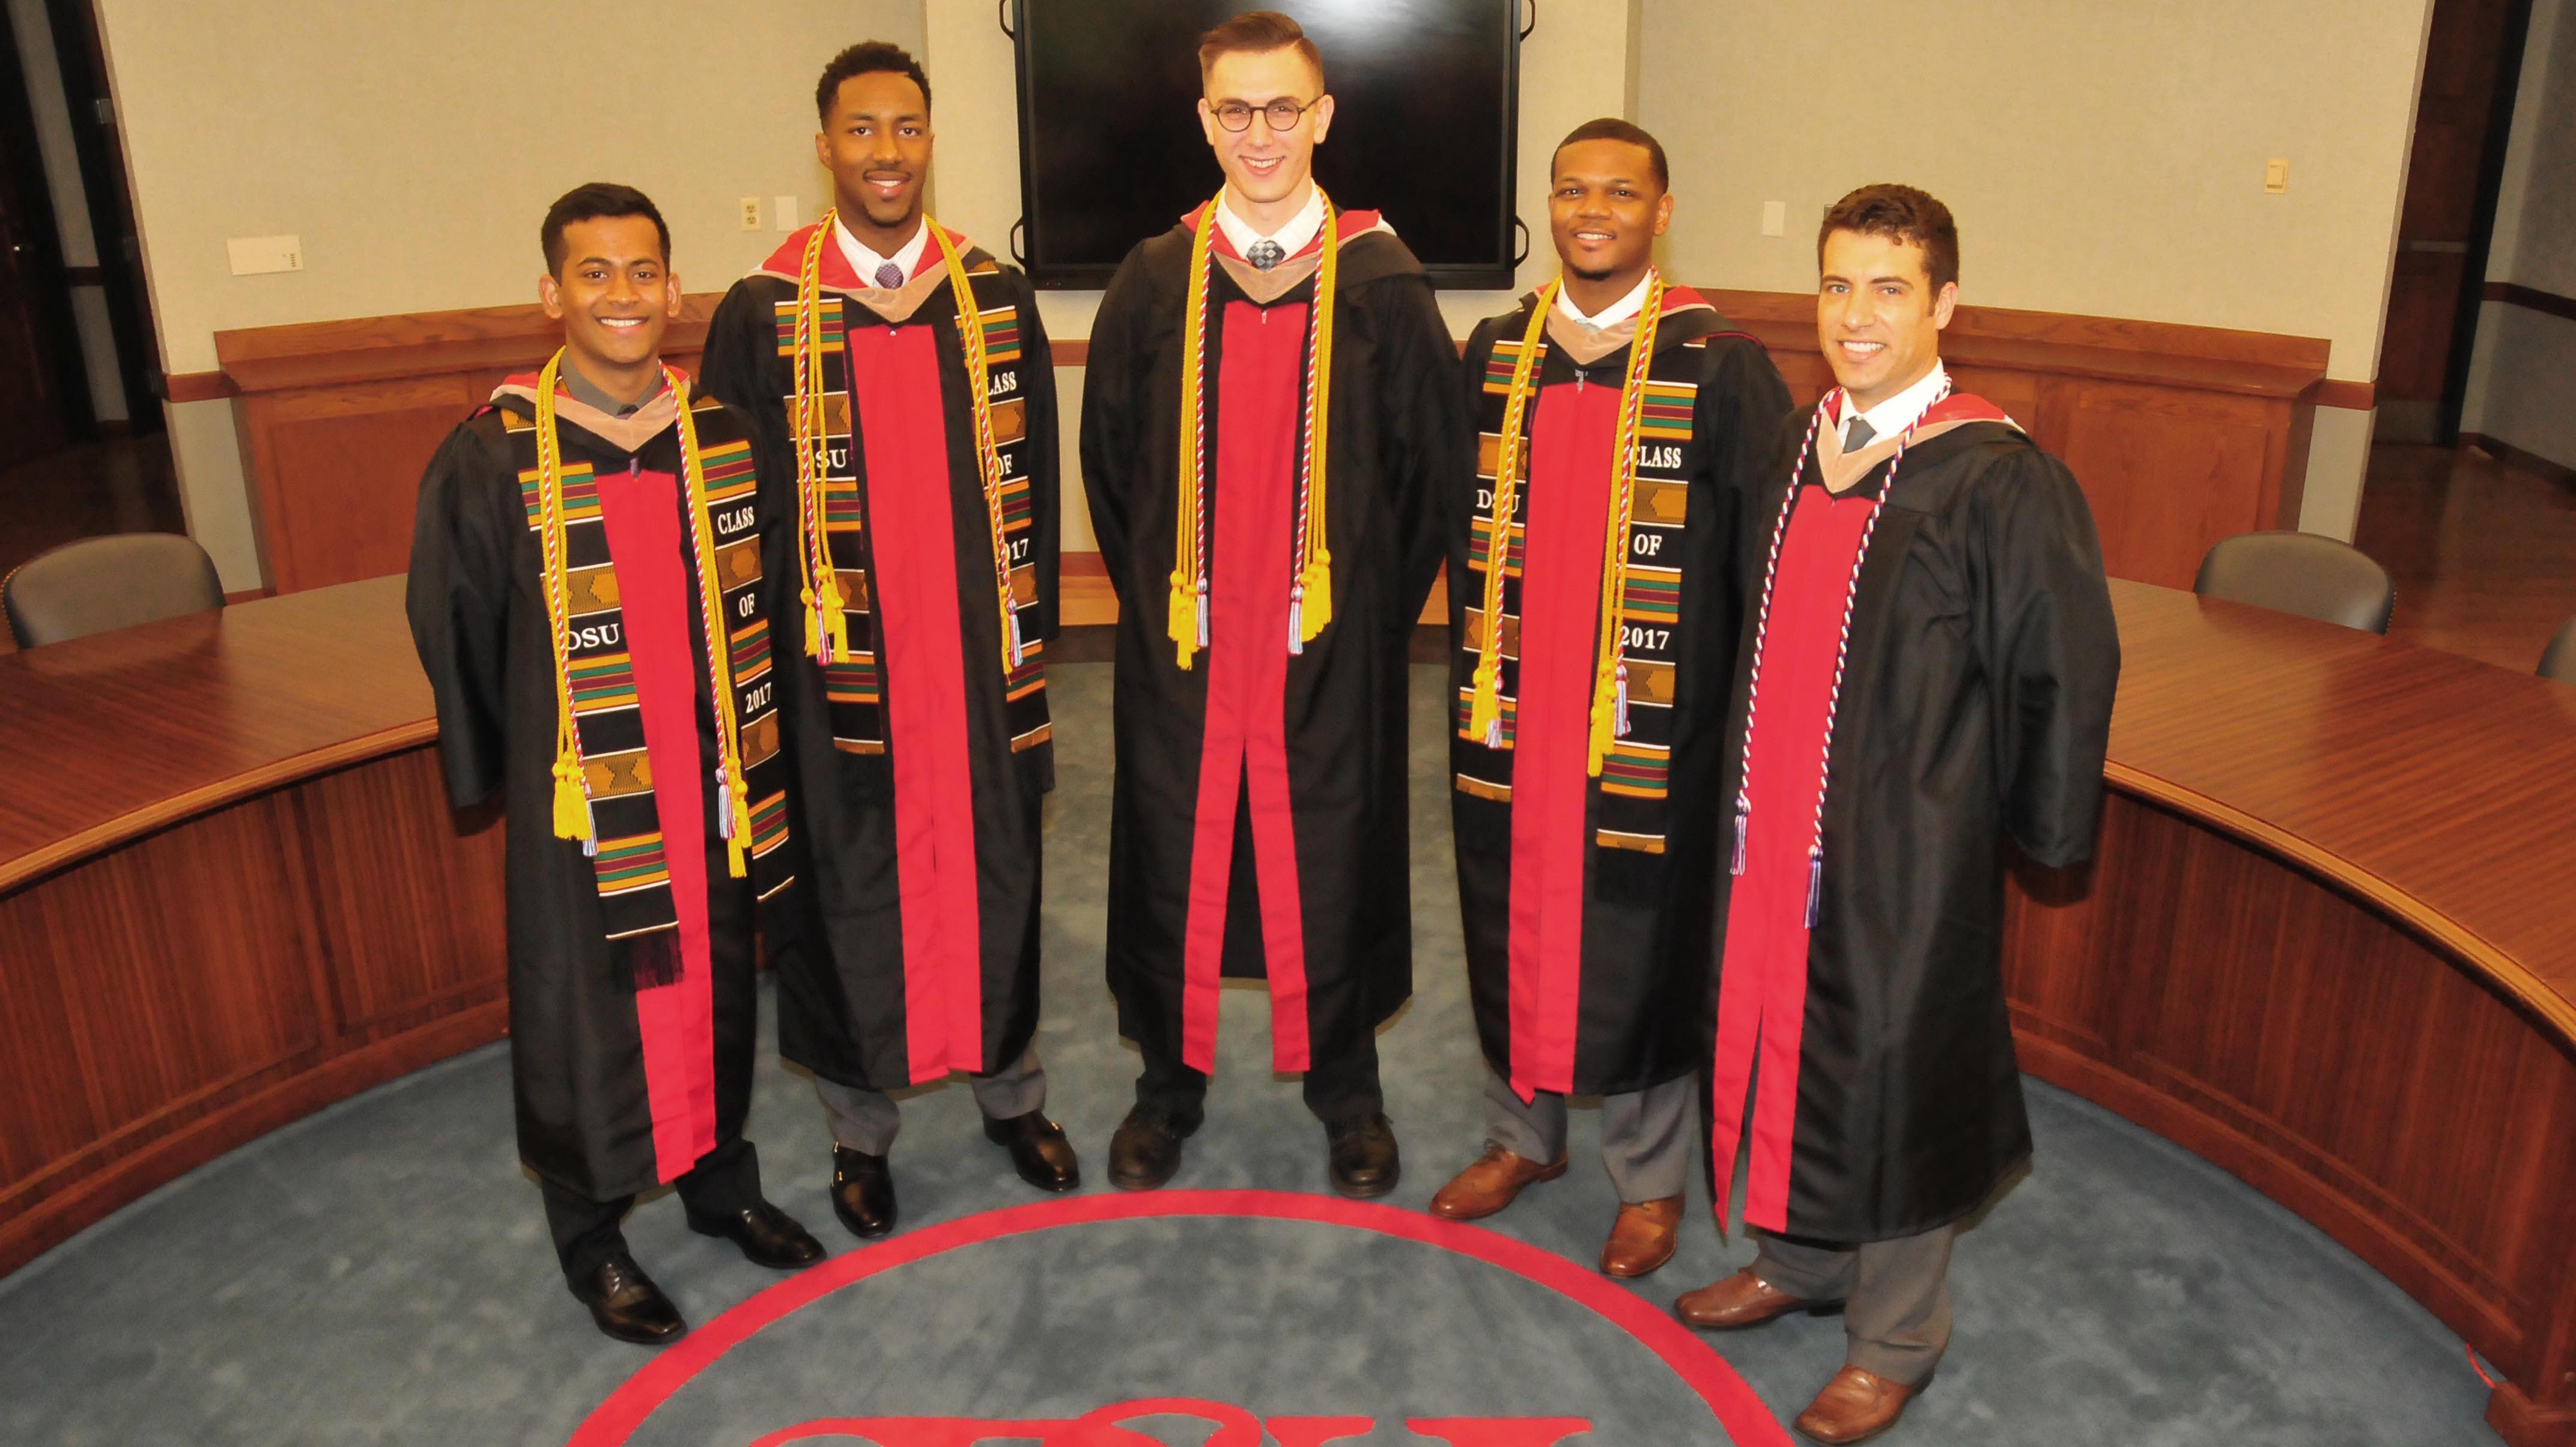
(890, 277)
(1859, 435)
(1265, 254)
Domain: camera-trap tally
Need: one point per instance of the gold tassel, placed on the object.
(1317, 602)
(738, 848)
(1603, 723)
(1485, 705)
(1183, 623)
(572, 805)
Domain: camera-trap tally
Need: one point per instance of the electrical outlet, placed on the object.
(2276, 175)
(751, 213)
(786, 212)
(252, 255)
(1775, 218)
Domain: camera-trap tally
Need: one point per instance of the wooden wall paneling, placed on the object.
(2167, 473)
(53, 1105)
(338, 473)
(408, 895)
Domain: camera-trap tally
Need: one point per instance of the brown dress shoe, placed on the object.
(1739, 1301)
(1493, 1182)
(1854, 1407)
(1643, 1237)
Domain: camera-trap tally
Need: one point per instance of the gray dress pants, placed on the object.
(866, 1120)
(1895, 1295)
(1645, 1136)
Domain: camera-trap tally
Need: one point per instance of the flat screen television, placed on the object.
(1426, 96)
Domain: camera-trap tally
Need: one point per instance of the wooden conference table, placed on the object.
(2328, 941)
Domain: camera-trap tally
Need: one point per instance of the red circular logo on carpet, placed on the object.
(1707, 1382)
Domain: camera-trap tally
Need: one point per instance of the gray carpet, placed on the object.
(378, 1273)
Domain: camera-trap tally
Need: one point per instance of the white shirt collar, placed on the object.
(1292, 236)
(865, 261)
(1613, 314)
(1905, 408)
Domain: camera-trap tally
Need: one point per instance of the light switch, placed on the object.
(751, 213)
(1775, 218)
(2276, 175)
(252, 255)
(784, 209)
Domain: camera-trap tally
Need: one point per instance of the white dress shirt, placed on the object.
(1611, 315)
(865, 261)
(1901, 411)
(1292, 235)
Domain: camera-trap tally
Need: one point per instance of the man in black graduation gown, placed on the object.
(575, 541)
(1623, 451)
(1928, 668)
(920, 516)
(1262, 468)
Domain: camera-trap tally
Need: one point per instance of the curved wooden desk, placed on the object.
(231, 892)
(2328, 942)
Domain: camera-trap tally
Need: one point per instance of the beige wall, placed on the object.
(2522, 377)
(2103, 159)
(414, 148)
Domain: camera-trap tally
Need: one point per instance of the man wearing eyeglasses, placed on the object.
(1270, 407)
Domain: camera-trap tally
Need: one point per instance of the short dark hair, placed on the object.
(1258, 32)
(868, 57)
(1903, 214)
(1611, 128)
(589, 202)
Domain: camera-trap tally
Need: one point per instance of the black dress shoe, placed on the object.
(1039, 1151)
(1146, 1151)
(1363, 1154)
(767, 1235)
(628, 1306)
(862, 1192)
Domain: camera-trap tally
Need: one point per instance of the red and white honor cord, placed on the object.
(1842, 643)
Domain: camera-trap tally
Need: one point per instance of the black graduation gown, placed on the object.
(1976, 707)
(1643, 1017)
(478, 615)
(1398, 436)
(841, 977)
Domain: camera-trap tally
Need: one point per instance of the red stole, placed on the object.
(1260, 391)
(1762, 979)
(640, 512)
(1567, 514)
(903, 434)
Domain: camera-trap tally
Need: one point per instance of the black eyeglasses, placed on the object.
(1282, 113)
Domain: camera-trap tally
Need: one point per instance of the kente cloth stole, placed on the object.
(853, 683)
(1635, 772)
(626, 837)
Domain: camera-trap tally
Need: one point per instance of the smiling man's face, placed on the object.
(1878, 315)
(1605, 208)
(877, 147)
(614, 295)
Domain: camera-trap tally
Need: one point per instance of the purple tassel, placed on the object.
(1743, 816)
(1815, 883)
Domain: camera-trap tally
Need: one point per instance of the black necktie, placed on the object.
(1859, 435)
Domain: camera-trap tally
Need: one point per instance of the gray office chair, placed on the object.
(113, 582)
(2300, 573)
(2558, 660)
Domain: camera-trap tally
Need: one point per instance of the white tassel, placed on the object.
(1815, 883)
(1203, 614)
(1743, 817)
(724, 804)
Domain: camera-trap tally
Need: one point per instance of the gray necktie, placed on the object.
(890, 276)
(1265, 254)
(1859, 435)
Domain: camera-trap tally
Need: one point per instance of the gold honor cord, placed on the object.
(572, 795)
(1609, 714)
(827, 630)
(988, 456)
(1311, 582)
(1610, 676)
